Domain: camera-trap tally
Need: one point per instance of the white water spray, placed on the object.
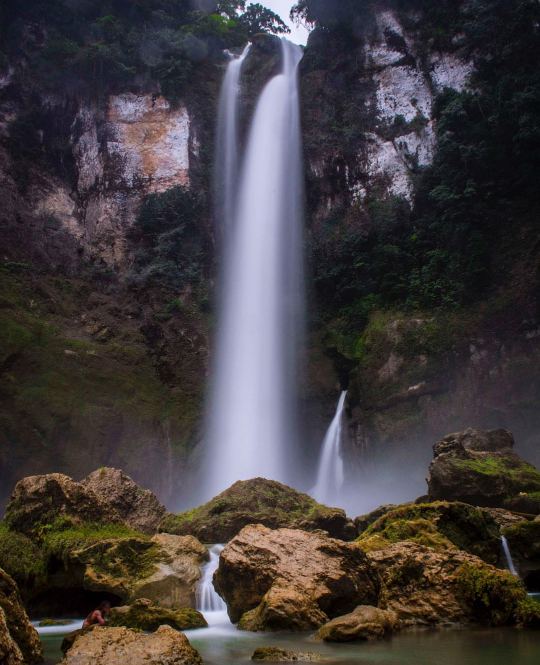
(508, 556)
(207, 597)
(227, 158)
(330, 474)
(251, 414)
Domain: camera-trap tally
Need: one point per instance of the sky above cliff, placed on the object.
(299, 34)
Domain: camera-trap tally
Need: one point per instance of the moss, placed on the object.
(47, 623)
(524, 539)
(21, 558)
(497, 596)
(520, 474)
(441, 525)
(148, 617)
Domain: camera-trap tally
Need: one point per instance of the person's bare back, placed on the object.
(97, 616)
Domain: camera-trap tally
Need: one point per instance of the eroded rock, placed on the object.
(118, 646)
(364, 623)
(17, 627)
(258, 501)
(138, 507)
(292, 580)
(144, 615)
(39, 500)
(479, 467)
(276, 655)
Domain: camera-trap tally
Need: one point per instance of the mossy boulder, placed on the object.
(258, 501)
(362, 522)
(38, 500)
(22, 559)
(22, 633)
(480, 467)
(524, 544)
(144, 615)
(277, 655)
(440, 526)
(51, 623)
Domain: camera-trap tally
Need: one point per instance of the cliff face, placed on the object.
(100, 368)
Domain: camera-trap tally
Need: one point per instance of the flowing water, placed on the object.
(226, 177)
(508, 556)
(330, 473)
(207, 598)
(251, 431)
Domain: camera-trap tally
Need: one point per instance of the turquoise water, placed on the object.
(222, 644)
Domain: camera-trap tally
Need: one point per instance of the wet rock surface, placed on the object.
(480, 467)
(258, 501)
(39, 500)
(276, 655)
(144, 615)
(292, 580)
(138, 507)
(524, 544)
(364, 623)
(17, 635)
(118, 646)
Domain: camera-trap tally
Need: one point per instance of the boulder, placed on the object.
(524, 545)
(364, 623)
(440, 525)
(39, 500)
(276, 655)
(10, 654)
(50, 623)
(118, 646)
(425, 587)
(480, 467)
(138, 507)
(16, 623)
(503, 517)
(292, 580)
(258, 501)
(144, 615)
(363, 521)
(177, 572)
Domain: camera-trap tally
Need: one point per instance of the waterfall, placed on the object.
(207, 598)
(251, 431)
(226, 172)
(330, 473)
(508, 556)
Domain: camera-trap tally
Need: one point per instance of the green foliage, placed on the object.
(260, 19)
(169, 235)
(497, 596)
(21, 558)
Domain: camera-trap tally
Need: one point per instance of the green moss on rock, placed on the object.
(21, 558)
(258, 501)
(440, 525)
(144, 615)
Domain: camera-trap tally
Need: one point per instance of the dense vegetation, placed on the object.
(456, 245)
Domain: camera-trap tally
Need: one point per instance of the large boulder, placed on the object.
(362, 522)
(118, 646)
(364, 623)
(440, 525)
(425, 587)
(144, 615)
(37, 501)
(480, 468)
(15, 626)
(138, 507)
(292, 580)
(524, 545)
(258, 501)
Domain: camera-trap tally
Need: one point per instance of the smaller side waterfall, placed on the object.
(207, 597)
(330, 474)
(508, 556)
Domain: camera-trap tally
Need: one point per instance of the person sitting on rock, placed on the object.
(97, 616)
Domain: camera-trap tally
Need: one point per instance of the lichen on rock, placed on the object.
(142, 614)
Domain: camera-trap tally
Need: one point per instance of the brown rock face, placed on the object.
(15, 628)
(10, 654)
(365, 623)
(420, 585)
(480, 468)
(139, 508)
(118, 646)
(40, 499)
(292, 580)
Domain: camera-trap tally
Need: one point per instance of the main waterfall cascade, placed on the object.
(330, 473)
(227, 157)
(251, 429)
(207, 597)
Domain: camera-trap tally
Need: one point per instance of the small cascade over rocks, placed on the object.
(330, 473)
(207, 597)
(508, 556)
